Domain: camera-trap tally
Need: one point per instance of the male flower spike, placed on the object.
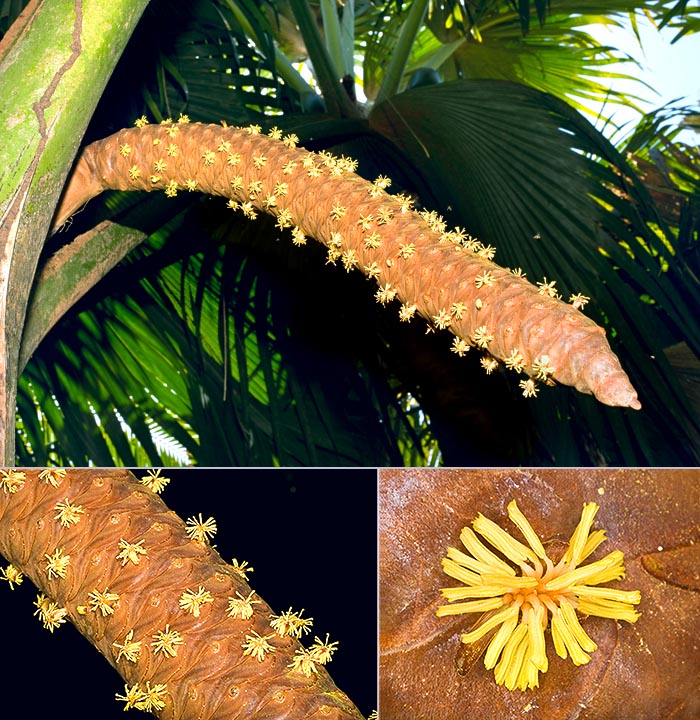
(522, 604)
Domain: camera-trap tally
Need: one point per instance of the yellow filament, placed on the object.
(632, 597)
(564, 641)
(535, 629)
(482, 553)
(589, 573)
(572, 622)
(471, 606)
(500, 639)
(574, 554)
(506, 614)
(455, 570)
(476, 565)
(594, 540)
(501, 540)
(525, 528)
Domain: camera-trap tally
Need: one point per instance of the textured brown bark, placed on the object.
(210, 676)
(411, 257)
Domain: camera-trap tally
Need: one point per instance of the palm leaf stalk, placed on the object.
(182, 627)
(448, 277)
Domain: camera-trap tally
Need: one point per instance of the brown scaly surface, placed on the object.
(445, 276)
(209, 677)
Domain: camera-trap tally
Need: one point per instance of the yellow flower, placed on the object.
(52, 476)
(385, 294)
(201, 530)
(406, 250)
(545, 593)
(129, 649)
(542, 369)
(68, 513)
(291, 623)
(489, 364)
(242, 606)
(384, 216)
(322, 650)
(57, 564)
(459, 346)
(242, 568)
(442, 320)
(482, 337)
(486, 278)
(12, 480)
(130, 552)
(515, 361)
(191, 601)
(257, 646)
(406, 312)
(166, 642)
(154, 481)
(102, 601)
(50, 614)
(12, 574)
(547, 288)
(528, 387)
(298, 237)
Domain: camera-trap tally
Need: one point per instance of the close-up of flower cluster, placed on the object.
(496, 310)
(543, 594)
(151, 592)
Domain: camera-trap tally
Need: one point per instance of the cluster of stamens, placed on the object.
(195, 601)
(544, 594)
(254, 187)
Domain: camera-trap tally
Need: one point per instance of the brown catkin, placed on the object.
(209, 678)
(411, 255)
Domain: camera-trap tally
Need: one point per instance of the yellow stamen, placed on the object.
(508, 668)
(501, 540)
(608, 609)
(500, 638)
(525, 528)
(506, 615)
(589, 573)
(470, 563)
(564, 641)
(482, 553)
(535, 631)
(471, 606)
(481, 591)
(574, 554)
(572, 622)
(455, 570)
(594, 540)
